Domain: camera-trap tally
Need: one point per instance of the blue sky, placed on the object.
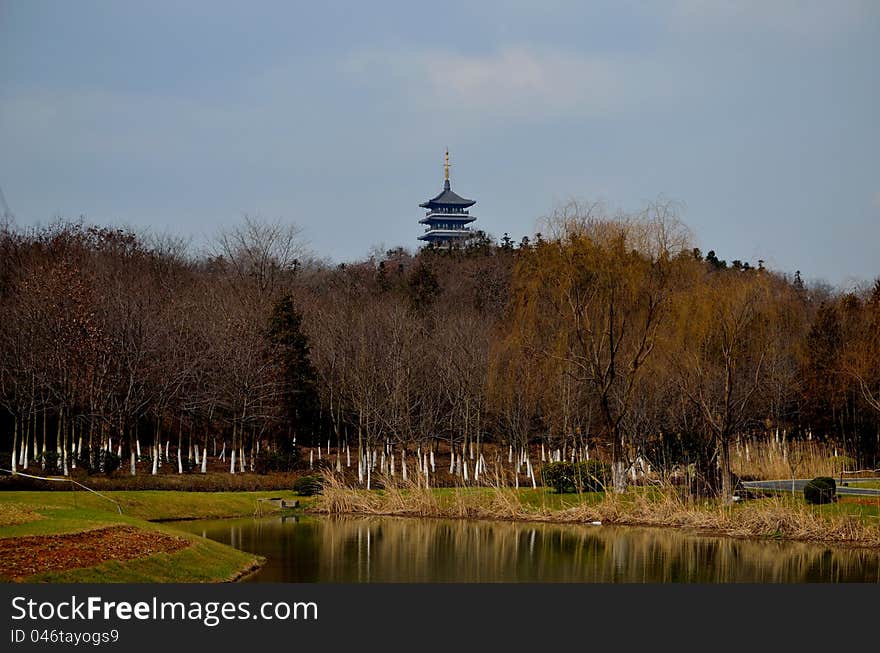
(760, 117)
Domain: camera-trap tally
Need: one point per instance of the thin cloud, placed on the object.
(520, 83)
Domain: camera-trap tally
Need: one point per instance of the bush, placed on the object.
(821, 489)
(276, 461)
(187, 464)
(52, 462)
(306, 486)
(97, 460)
(585, 476)
(108, 462)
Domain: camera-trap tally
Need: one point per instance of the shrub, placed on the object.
(275, 461)
(309, 485)
(52, 461)
(585, 476)
(108, 462)
(97, 460)
(187, 464)
(821, 489)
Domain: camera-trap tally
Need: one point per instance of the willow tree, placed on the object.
(592, 298)
(726, 326)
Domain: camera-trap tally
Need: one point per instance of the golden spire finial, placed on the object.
(446, 167)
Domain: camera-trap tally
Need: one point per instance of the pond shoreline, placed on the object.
(771, 519)
(353, 548)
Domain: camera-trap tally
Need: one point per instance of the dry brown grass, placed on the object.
(775, 517)
(769, 459)
(12, 514)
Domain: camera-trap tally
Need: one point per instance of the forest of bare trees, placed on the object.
(608, 336)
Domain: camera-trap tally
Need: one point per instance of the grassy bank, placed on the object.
(51, 520)
(778, 517)
(214, 481)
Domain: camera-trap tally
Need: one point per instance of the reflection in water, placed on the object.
(387, 549)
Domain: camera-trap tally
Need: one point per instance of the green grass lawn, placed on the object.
(54, 513)
(866, 484)
(160, 505)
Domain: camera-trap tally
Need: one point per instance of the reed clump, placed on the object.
(774, 517)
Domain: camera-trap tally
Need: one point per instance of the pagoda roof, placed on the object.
(447, 198)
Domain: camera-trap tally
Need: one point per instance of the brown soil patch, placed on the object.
(24, 556)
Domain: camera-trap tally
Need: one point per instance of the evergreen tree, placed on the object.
(423, 287)
(298, 379)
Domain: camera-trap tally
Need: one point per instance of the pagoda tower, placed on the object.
(447, 218)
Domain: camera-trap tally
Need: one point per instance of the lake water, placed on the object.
(386, 549)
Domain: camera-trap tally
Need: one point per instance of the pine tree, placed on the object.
(298, 379)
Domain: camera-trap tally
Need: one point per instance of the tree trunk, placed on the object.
(726, 480)
(180, 450)
(232, 450)
(14, 443)
(157, 450)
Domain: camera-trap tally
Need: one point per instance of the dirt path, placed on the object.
(24, 556)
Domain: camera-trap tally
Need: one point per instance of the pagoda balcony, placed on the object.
(460, 218)
(441, 235)
(446, 227)
(448, 211)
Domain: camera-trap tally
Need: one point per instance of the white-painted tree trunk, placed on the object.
(403, 464)
(231, 460)
(618, 477)
(155, 468)
(138, 445)
(133, 464)
(311, 458)
(242, 461)
(15, 446)
(433, 469)
(205, 461)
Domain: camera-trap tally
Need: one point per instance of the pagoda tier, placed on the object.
(447, 217)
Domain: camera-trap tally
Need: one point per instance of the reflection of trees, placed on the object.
(385, 549)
